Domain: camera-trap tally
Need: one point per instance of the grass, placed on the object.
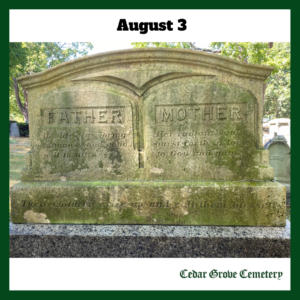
(18, 147)
(12, 141)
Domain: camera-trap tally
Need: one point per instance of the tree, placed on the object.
(29, 58)
(276, 89)
(17, 62)
(277, 96)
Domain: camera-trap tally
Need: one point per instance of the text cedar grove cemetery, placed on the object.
(229, 274)
(144, 27)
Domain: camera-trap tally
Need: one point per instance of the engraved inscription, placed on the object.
(57, 204)
(153, 204)
(197, 143)
(108, 115)
(199, 113)
(276, 157)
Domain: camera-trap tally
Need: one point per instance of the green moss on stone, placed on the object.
(153, 202)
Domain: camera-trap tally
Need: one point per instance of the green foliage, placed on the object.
(61, 52)
(28, 58)
(248, 52)
(24, 129)
(12, 141)
(14, 112)
(257, 53)
(17, 58)
(162, 45)
(277, 96)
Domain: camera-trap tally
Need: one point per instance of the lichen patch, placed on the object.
(185, 192)
(32, 217)
(156, 171)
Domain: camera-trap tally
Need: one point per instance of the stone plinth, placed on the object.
(44, 240)
(150, 202)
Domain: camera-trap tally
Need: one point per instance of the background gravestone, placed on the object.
(14, 130)
(279, 155)
(148, 136)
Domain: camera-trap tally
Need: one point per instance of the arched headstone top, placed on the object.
(132, 60)
(279, 140)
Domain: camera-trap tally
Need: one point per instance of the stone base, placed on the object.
(44, 240)
(288, 191)
(258, 203)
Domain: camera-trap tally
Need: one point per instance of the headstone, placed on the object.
(14, 130)
(279, 156)
(148, 136)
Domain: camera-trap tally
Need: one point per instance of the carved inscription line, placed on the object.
(276, 157)
(83, 141)
(57, 204)
(112, 115)
(155, 204)
(199, 112)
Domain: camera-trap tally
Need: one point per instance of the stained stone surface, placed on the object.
(148, 116)
(151, 202)
(42, 240)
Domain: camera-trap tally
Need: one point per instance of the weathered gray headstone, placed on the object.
(14, 130)
(148, 136)
(279, 156)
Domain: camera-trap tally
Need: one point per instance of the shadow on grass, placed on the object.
(17, 151)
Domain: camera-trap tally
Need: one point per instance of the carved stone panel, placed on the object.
(199, 129)
(82, 134)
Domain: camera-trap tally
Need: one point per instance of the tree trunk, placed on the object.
(23, 108)
(277, 111)
(270, 45)
(25, 114)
